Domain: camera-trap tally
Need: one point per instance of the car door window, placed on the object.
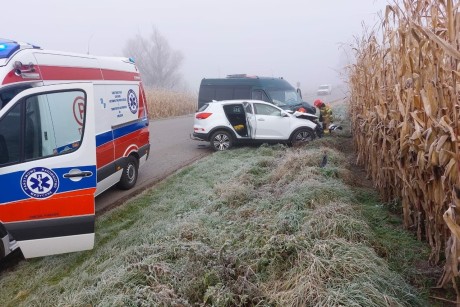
(247, 108)
(263, 109)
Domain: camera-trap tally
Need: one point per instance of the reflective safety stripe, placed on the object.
(80, 202)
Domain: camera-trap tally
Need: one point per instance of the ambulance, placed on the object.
(71, 126)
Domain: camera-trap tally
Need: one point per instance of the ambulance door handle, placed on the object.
(78, 175)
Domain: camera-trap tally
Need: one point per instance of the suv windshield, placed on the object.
(284, 97)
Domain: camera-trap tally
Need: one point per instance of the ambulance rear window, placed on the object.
(7, 48)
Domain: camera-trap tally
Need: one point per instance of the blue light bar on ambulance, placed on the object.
(7, 48)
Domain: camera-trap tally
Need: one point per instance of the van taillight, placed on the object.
(203, 115)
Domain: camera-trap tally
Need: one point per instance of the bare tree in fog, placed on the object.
(158, 63)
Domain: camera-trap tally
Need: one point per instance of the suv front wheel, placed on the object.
(221, 140)
(302, 136)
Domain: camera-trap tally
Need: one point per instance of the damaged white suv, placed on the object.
(224, 123)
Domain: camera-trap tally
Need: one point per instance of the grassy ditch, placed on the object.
(261, 226)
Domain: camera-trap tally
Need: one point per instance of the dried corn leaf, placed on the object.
(449, 49)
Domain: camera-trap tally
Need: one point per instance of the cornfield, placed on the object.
(404, 109)
(163, 104)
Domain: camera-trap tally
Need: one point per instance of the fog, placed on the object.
(294, 39)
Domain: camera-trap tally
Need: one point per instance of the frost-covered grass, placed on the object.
(253, 226)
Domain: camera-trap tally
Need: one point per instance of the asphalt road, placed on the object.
(171, 149)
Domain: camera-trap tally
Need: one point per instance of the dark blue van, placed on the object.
(241, 86)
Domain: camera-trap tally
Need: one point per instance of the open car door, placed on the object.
(250, 119)
(48, 169)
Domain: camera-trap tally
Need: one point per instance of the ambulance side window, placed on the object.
(42, 125)
(54, 123)
(10, 136)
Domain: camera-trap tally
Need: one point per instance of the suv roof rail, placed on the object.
(242, 76)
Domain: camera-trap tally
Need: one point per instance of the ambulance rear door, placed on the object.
(48, 169)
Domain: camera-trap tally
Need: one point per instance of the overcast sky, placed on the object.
(295, 39)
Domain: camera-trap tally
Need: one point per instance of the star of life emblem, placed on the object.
(133, 104)
(39, 182)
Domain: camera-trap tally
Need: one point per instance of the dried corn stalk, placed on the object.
(404, 110)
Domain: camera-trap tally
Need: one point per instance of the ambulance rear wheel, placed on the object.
(130, 174)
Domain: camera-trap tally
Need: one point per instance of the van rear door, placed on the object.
(48, 169)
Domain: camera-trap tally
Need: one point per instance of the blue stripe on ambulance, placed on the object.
(11, 190)
(109, 136)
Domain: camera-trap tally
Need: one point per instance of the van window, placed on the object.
(207, 94)
(241, 93)
(50, 124)
(284, 97)
(224, 93)
(260, 95)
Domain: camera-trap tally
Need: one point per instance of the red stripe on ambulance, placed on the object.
(47, 73)
(138, 138)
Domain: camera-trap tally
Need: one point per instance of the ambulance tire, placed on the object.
(3, 237)
(2, 250)
(130, 174)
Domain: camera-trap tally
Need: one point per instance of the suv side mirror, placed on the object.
(284, 114)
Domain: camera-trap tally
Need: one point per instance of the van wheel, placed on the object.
(302, 136)
(221, 140)
(130, 174)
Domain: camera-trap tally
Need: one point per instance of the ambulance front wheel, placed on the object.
(130, 173)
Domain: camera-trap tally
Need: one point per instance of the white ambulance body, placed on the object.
(71, 126)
